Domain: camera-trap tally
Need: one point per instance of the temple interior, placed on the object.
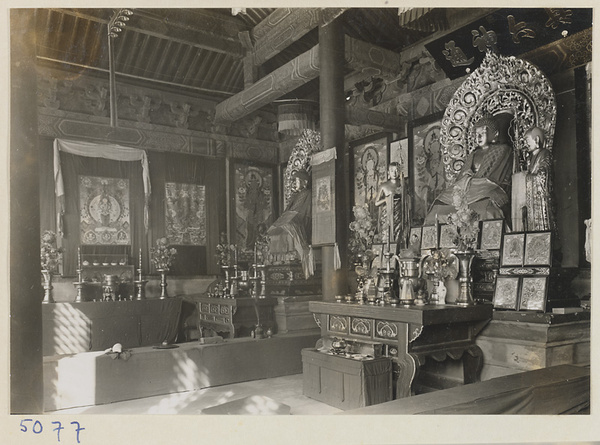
(310, 211)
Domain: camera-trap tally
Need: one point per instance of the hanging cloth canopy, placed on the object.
(94, 150)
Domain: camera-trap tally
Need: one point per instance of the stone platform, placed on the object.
(94, 378)
(522, 341)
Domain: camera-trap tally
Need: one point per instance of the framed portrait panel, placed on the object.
(426, 167)
(491, 234)
(447, 236)
(429, 237)
(513, 246)
(369, 158)
(506, 294)
(538, 249)
(533, 294)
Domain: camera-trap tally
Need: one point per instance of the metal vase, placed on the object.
(465, 278)
(163, 284)
(47, 275)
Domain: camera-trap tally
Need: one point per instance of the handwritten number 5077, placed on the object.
(37, 428)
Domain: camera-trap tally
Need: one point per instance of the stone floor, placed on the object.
(286, 390)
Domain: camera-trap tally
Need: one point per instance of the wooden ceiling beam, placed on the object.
(360, 56)
(290, 76)
(286, 26)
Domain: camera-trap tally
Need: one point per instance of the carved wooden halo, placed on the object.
(308, 144)
(501, 84)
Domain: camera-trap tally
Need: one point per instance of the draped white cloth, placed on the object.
(94, 150)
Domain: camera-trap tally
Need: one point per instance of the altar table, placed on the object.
(237, 317)
(70, 328)
(408, 335)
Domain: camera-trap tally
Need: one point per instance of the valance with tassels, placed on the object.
(94, 150)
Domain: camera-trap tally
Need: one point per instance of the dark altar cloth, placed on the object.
(69, 328)
(556, 390)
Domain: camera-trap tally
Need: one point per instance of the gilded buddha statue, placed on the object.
(485, 176)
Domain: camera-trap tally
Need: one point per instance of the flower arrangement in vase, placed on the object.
(163, 256)
(362, 238)
(224, 252)
(465, 221)
(362, 234)
(439, 265)
(50, 258)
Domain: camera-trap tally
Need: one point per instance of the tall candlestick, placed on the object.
(235, 255)
(79, 258)
(140, 262)
(255, 255)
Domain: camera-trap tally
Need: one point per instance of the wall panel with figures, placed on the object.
(368, 166)
(426, 168)
(253, 198)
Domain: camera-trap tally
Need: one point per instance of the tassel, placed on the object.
(337, 262)
(311, 262)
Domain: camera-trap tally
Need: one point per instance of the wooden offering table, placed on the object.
(408, 335)
(235, 316)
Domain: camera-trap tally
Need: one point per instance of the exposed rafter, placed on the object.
(148, 24)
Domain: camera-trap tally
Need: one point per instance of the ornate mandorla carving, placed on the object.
(500, 84)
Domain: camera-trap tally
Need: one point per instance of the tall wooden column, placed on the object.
(331, 95)
(26, 376)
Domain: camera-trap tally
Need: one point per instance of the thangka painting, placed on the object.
(370, 159)
(533, 294)
(104, 211)
(324, 203)
(185, 214)
(426, 166)
(253, 188)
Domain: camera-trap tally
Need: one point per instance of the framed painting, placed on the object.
(399, 154)
(414, 241)
(369, 158)
(491, 234)
(429, 237)
(426, 167)
(253, 202)
(533, 294)
(512, 249)
(447, 236)
(538, 249)
(506, 294)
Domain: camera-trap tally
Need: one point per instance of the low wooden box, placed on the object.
(346, 383)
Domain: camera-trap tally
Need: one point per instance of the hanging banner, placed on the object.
(323, 201)
(104, 211)
(185, 214)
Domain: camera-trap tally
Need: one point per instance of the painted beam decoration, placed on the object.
(185, 214)
(513, 31)
(104, 211)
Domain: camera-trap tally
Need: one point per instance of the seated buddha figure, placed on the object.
(290, 233)
(485, 177)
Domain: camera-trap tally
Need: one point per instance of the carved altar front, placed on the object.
(407, 335)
